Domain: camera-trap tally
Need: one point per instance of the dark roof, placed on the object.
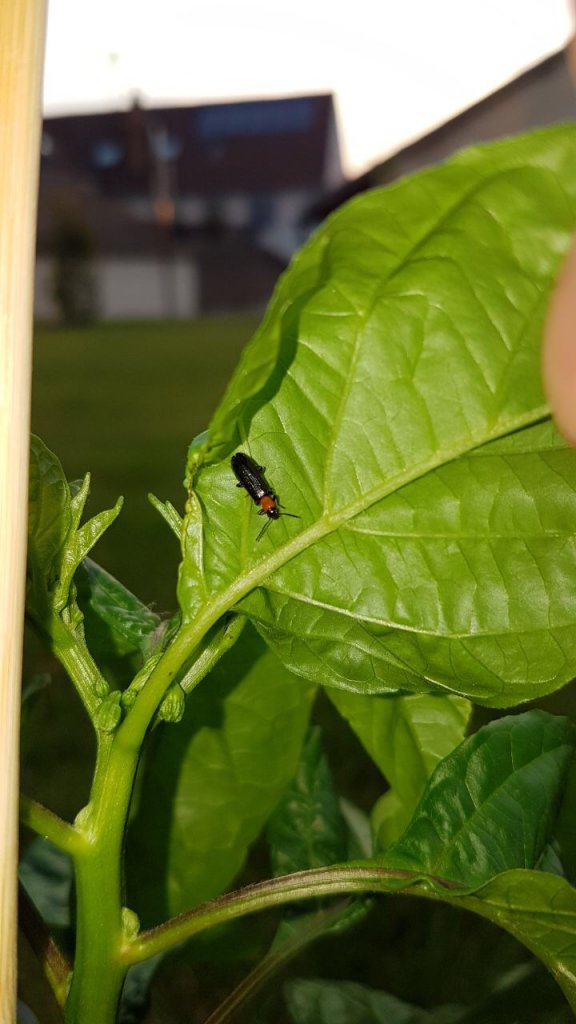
(249, 146)
(543, 95)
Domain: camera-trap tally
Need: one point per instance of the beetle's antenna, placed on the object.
(264, 528)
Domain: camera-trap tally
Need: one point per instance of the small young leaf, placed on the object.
(491, 805)
(77, 546)
(191, 579)
(169, 514)
(79, 490)
(49, 513)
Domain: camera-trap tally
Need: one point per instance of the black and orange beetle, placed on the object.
(251, 477)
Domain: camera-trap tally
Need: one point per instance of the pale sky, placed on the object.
(397, 69)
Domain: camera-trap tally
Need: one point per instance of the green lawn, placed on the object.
(123, 400)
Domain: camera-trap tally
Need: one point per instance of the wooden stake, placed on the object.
(22, 29)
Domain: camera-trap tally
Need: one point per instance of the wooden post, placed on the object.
(22, 29)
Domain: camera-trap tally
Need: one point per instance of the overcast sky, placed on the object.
(397, 69)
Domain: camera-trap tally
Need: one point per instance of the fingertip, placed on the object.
(559, 358)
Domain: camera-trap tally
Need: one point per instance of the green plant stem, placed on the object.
(75, 657)
(98, 974)
(47, 824)
(224, 639)
(98, 971)
(275, 892)
(78, 662)
(99, 968)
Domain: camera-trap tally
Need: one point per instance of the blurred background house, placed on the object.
(176, 212)
(541, 96)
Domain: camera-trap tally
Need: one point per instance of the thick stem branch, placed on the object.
(334, 881)
(47, 824)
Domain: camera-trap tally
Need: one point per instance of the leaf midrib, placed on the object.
(328, 523)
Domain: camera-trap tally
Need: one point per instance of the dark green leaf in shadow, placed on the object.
(212, 781)
(565, 826)
(314, 1001)
(46, 873)
(116, 622)
(525, 994)
(540, 910)
(491, 805)
(308, 829)
(135, 994)
(31, 693)
(406, 736)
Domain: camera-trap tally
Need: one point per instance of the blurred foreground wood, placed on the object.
(22, 27)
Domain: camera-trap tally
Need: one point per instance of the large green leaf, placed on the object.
(406, 736)
(491, 805)
(212, 781)
(394, 394)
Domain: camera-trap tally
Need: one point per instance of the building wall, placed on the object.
(130, 288)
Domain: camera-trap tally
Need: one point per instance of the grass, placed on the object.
(124, 400)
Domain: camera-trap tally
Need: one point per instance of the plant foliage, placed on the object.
(393, 393)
